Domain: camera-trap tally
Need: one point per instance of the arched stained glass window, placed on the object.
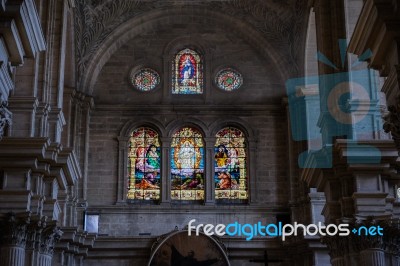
(228, 79)
(187, 165)
(144, 165)
(187, 74)
(230, 178)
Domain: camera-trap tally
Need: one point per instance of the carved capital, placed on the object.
(392, 123)
(5, 118)
(337, 245)
(14, 230)
(34, 229)
(391, 229)
(48, 238)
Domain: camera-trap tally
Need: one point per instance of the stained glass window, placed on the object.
(187, 165)
(228, 79)
(230, 165)
(187, 74)
(144, 165)
(145, 79)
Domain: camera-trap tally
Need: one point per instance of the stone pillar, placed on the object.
(372, 257)
(14, 234)
(49, 236)
(209, 173)
(251, 159)
(165, 171)
(33, 241)
(123, 183)
(44, 260)
(338, 249)
(13, 256)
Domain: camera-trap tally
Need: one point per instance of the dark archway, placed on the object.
(179, 249)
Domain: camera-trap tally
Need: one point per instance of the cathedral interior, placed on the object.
(121, 121)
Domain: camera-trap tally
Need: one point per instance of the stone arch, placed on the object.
(177, 242)
(135, 123)
(193, 122)
(234, 122)
(134, 26)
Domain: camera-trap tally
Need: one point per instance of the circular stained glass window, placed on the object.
(228, 79)
(145, 79)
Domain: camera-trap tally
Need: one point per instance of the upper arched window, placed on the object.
(187, 74)
(187, 165)
(144, 165)
(230, 178)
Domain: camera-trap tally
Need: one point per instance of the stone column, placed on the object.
(338, 249)
(372, 257)
(33, 241)
(50, 235)
(14, 234)
(13, 256)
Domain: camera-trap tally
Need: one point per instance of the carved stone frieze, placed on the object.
(5, 118)
(279, 22)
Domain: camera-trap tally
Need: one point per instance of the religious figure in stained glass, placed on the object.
(230, 165)
(187, 165)
(144, 165)
(187, 73)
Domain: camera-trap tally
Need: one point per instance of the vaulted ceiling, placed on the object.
(277, 28)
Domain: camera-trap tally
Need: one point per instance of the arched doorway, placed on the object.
(179, 249)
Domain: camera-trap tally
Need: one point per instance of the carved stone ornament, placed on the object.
(337, 245)
(340, 246)
(5, 118)
(14, 230)
(49, 237)
(30, 232)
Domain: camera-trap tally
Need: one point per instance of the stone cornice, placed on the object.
(40, 155)
(28, 24)
(359, 151)
(182, 209)
(378, 25)
(240, 109)
(75, 242)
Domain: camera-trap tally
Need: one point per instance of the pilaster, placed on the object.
(165, 171)
(209, 198)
